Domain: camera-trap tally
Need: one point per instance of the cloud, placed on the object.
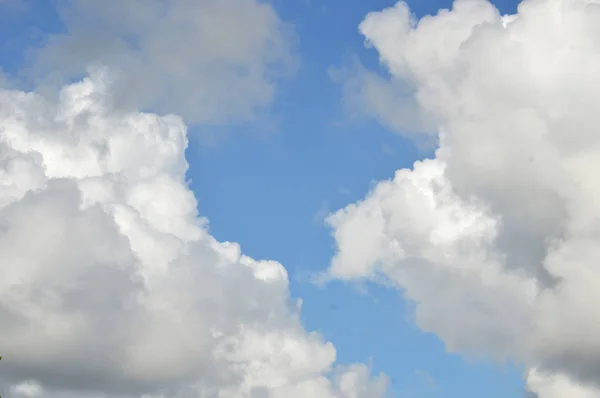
(210, 61)
(496, 238)
(548, 385)
(111, 283)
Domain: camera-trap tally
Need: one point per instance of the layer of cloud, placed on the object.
(111, 283)
(210, 61)
(496, 238)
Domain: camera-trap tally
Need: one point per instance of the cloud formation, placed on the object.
(210, 61)
(111, 283)
(496, 238)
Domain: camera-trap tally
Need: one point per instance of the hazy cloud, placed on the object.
(210, 61)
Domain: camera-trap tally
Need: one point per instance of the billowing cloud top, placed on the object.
(111, 284)
(496, 238)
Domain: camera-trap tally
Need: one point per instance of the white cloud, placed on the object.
(558, 386)
(210, 61)
(111, 283)
(496, 239)
(438, 248)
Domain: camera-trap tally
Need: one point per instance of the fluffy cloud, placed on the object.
(552, 385)
(111, 283)
(210, 61)
(496, 238)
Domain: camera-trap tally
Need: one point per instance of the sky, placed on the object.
(264, 199)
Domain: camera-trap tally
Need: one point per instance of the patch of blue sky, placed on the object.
(271, 195)
(25, 25)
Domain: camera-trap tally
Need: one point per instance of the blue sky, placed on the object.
(269, 188)
(314, 162)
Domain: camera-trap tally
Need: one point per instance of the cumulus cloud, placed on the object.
(553, 385)
(112, 285)
(210, 61)
(496, 238)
